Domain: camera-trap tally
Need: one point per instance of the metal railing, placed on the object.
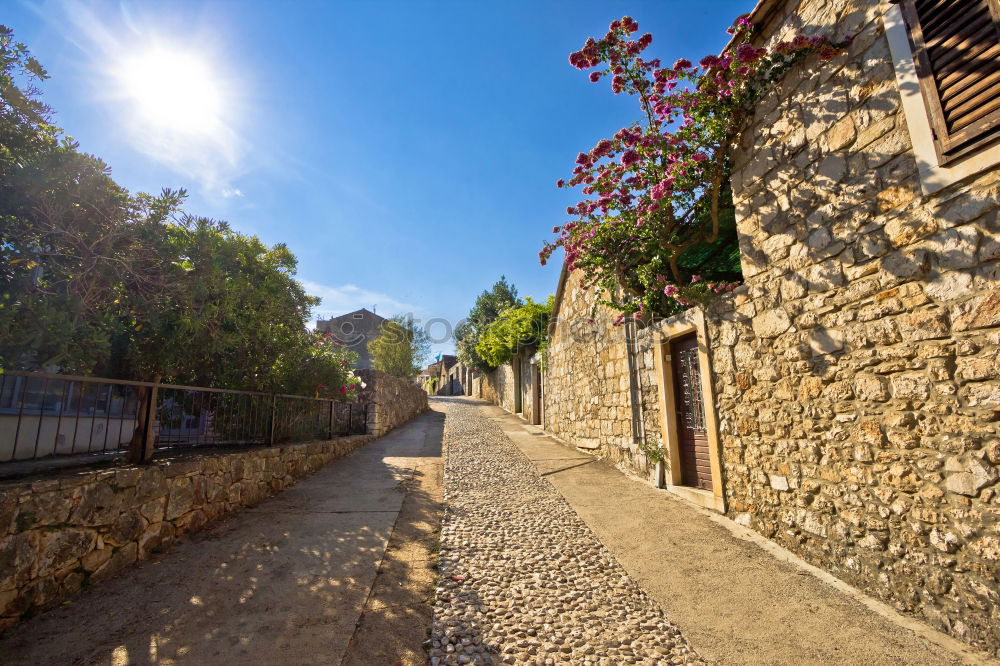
(44, 415)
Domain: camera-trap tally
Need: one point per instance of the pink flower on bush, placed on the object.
(748, 54)
(602, 148)
(343, 390)
(630, 157)
(699, 157)
(670, 290)
(683, 63)
(695, 278)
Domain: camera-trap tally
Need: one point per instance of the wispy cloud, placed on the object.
(340, 299)
(228, 193)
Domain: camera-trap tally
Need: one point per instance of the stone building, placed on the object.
(354, 330)
(845, 400)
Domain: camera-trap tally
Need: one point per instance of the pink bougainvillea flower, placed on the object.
(695, 278)
(670, 290)
(343, 390)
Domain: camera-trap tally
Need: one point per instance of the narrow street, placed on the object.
(550, 555)
(547, 555)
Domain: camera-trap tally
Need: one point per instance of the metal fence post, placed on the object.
(274, 413)
(332, 410)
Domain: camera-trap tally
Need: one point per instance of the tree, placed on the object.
(232, 309)
(97, 280)
(318, 365)
(400, 349)
(488, 306)
(73, 240)
(521, 327)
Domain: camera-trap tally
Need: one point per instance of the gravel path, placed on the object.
(523, 580)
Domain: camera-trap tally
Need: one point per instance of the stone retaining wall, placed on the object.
(391, 401)
(60, 534)
(587, 392)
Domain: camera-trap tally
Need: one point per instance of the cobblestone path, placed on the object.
(523, 579)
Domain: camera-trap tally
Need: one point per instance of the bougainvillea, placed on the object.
(658, 190)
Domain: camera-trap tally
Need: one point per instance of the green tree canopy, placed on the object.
(488, 306)
(96, 280)
(521, 327)
(400, 349)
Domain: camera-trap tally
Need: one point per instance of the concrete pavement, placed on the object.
(284, 582)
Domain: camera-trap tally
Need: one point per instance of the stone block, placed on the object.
(924, 325)
(120, 560)
(61, 548)
(896, 196)
(910, 386)
(95, 559)
(979, 312)
(986, 394)
(18, 556)
(841, 135)
(870, 432)
(823, 340)
(152, 485)
(956, 248)
(181, 497)
(190, 522)
(771, 323)
(870, 387)
(127, 527)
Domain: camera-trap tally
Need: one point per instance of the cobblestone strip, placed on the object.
(523, 580)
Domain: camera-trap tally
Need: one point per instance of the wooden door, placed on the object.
(692, 435)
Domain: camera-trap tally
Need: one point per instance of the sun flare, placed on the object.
(172, 90)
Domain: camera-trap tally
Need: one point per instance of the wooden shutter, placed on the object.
(956, 50)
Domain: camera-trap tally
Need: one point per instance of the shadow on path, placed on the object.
(284, 582)
(734, 601)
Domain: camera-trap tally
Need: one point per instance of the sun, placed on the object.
(172, 90)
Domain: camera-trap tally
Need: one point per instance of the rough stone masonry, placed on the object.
(856, 373)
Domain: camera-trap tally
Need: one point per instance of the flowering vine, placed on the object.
(657, 192)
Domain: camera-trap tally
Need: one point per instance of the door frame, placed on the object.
(518, 392)
(686, 323)
(536, 392)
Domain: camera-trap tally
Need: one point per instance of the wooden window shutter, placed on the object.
(956, 51)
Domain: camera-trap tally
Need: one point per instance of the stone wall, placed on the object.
(391, 401)
(497, 386)
(856, 371)
(61, 533)
(587, 393)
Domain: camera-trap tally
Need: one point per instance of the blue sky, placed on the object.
(405, 151)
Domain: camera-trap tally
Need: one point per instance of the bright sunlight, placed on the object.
(173, 90)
